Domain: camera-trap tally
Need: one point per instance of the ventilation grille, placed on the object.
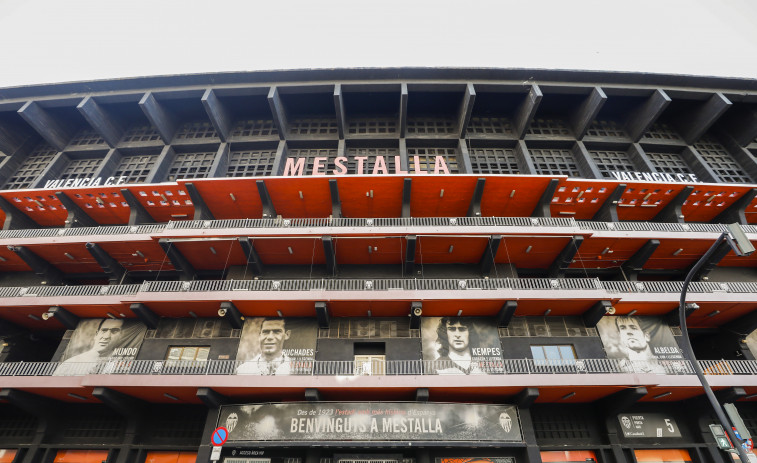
(554, 162)
(427, 159)
(191, 165)
(721, 161)
(140, 134)
(548, 127)
(372, 126)
(180, 428)
(547, 327)
(32, 167)
(313, 126)
(251, 460)
(251, 163)
(136, 169)
(605, 129)
(80, 168)
(310, 155)
(102, 426)
(254, 128)
(669, 163)
(493, 161)
(87, 137)
(662, 131)
(196, 130)
(551, 425)
(17, 428)
(427, 125)
(489, 126)
(370, 165)
(609, 161)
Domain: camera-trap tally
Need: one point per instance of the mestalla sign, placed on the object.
(371, 422)
(364, 165)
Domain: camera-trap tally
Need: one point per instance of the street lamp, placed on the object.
(741, 246)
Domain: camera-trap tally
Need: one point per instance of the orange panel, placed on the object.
(285, 195)
(10, 262)
(42, 206)
(580, 199)
(664, 258)
(366, 250)
(633, 205)
(543, 251)
(81, 456)
(81, 261)
(276, 251)
(662, 455)
(707, 201)
(565, 456)
(592, 252)
(104, 204)
(356, 199)
(512, 195)
(212, 255)
(170, 457)
(217, 195)
(138, 256)
(436, 250)
(7, 455)
(441, 195)
(164, 202)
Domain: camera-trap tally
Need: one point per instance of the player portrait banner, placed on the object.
(461, 345)
(371, 422)
(277, 346)
(101, 346)
(645, 343)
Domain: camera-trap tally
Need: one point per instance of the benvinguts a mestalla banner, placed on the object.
(371, 422)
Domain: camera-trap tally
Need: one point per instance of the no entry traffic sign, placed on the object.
(219, 436)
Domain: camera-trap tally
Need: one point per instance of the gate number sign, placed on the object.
(219, 436)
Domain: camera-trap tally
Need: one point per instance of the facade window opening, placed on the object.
(553, 355)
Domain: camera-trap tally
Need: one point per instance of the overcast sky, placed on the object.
(45, 41)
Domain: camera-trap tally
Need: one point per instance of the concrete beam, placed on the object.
(145, 315)
(218, 113)
(641, 119)
(278, 112)
(693, 124)
(55, 132)
(179, 262)
(585, 114)
(564, 259)
(76, 216)
(466, 110)
(106, 126)
(232, 314)
(527, 110)
(164, 122)
(117, 274)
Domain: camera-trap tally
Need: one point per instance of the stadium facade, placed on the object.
(379, 265)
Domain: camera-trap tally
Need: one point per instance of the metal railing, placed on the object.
(377, 368)
(389, 284)
(281, 223)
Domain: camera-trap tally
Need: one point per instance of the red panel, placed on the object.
(441, 195)
(543, 251)
(565, 456)
(10, 261)
(580, 199)
(170, 457)
(217, 195)
(436, 250)
(512, 195)
(81, 456)
(662, 455)
(356, 199)
(164, 202)
(583, 394)
(390, 250)
(663, 257)
(633, 206)
(7, 455)
(42, 206)
(213, 254)
(138, 255)
(707, 201)
(82, 261)
(104, 204)
(592, 252)
(304, 251)
(285, 195)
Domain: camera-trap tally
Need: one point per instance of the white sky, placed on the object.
(45, 41)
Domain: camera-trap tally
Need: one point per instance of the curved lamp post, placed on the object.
(741, 246)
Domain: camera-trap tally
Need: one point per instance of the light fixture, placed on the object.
(528, 249)
(192, 314)
(713, 313)
(139, 253)
(76, 396)
(750, 396)
(441, 193)
(512, 193)
(289, 248)
(369, 312)
(122, 315)
(451, 247)
(222, 312)
(110, 315)
(568, 395)
(213, 250)
(459, 312)
(631, 313)
(547, 312)
(169, 396)
(677, 251)
(605, 251)
(664, 394)
(3, 259)
(233, 198)
(69, 256)
(278, 312)
(370, 249)
(47, 316)
(301, 196)
(33, 317)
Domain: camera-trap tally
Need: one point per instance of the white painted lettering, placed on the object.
(360, 161)
(294, 169)
(418, 170)
(340, 168)
(379, 166)
(398, 166)
(440, 165)
(317, 165)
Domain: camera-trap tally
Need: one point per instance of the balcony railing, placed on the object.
(399, 284)
(390, 368)
(280, 223)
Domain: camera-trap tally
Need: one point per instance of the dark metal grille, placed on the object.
(313, 126)
(608, 161)
(99, 425)
(254, 128)
(140, 133)
(251, 163)
(191, 165)
(87, 137)
(493, 161)
(367, 328)
(372, 126)
(662, 131)
(136, 169)
(550, 424)
(32, 167)
(172, 428)
(721, 161)
(81, 168)
(605, 129)
(669, 163)
(370, 163)
(16, 427)
(427, 159)
(550, 127)
(554, 162)
(196, 130)
(311, 154)
(427, 125)
(489, 126)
